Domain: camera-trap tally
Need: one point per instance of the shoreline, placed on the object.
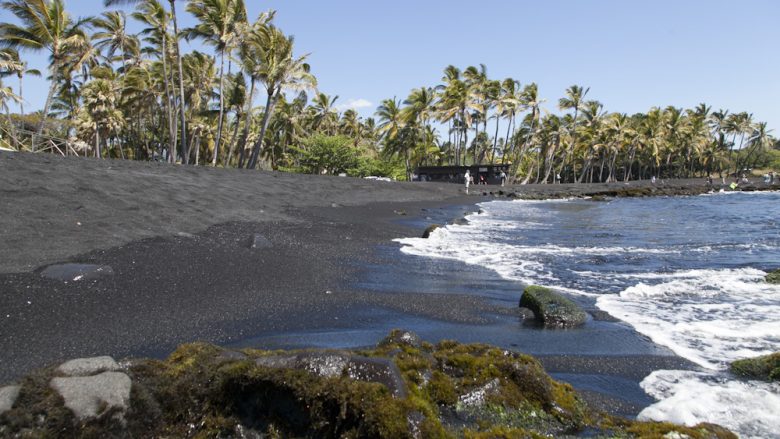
(178, 279)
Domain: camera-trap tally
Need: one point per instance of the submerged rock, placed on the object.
(766, 367)
(773, 277)
(552, 309)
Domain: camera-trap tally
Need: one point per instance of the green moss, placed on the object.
(766, 367)
(661, 429)
(441, 389)
(773, 277)
(199, 391)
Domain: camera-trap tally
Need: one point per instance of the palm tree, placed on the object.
(573, 101)
(6, 95)
(278, 71)
(220, 23)
(529, 98)
(251, 56)
(154, 15)
(46, 26)
(18, 67)
(420, 109)
(177, 54)
(325, 115)
(507, 105)
(390, 127)
(112, 36)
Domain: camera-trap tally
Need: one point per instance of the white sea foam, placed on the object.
(710, 317)
(748, 407)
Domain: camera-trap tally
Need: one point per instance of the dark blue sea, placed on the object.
(684, 272)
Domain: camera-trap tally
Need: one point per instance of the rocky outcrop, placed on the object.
(92, 387)
(552, 309)
(766, 367)
(450, 390)
(88, 366)
(773, 277)
(428, 230)
(8, 395)
(88, 397)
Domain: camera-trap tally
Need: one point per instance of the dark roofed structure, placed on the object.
(454, 174)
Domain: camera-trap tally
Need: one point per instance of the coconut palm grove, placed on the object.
(251, 101)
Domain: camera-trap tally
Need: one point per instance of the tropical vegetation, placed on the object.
(117, 94)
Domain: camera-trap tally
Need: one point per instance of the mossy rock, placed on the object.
(773, 277)
(766, 367)
(427, 233)
(551, 308)
(454, 390)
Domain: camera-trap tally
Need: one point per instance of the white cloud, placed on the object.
(354, 104)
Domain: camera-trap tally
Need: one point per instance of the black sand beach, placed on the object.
(324, 271)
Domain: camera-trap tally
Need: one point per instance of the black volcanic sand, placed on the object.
(178, 240)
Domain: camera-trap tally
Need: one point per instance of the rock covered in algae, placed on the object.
(453, 390)
(773, 277)
(552, 309)
(765, 367)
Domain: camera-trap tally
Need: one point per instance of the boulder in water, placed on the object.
(773, 277)
(427, 233)
(766, 367)
(552, 309)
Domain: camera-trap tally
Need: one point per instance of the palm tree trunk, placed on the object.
(12, 130)
(46, 105)
(167, 102)
(247, 124)
(181, 86)
(269, 108)
(21, 95)
(221, 107)
(505, 151)
(495, 143)
(233, 140)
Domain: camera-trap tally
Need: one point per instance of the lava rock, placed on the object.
(8, 395)
(552, 309)
(765, 367)
(427, 233)
(88, 366)
(773, 277)
(88, 397)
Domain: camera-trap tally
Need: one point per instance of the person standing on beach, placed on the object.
(467, 177)
(503, 178)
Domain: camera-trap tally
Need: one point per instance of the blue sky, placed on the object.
(633, 55)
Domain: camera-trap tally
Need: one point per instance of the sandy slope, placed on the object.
(54, 207)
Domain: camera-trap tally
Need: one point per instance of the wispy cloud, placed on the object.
(354, 104)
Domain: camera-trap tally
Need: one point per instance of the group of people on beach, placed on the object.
(469, 179)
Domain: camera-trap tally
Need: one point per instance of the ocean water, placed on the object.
(686, 272)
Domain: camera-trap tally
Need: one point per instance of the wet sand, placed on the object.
(178, 240)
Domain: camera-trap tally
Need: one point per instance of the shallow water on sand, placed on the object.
(686, 272)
